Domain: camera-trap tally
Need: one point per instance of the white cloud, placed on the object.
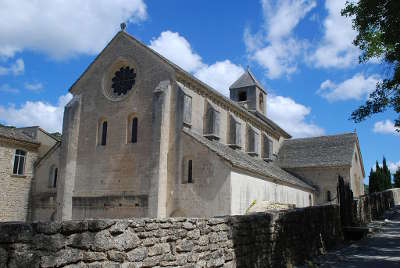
(291, 116)
(177, 49)
(43, 114)
(35, 87)
(356, 88)
(63, 28)
(6, 88)
(220, 75)
(393, 166)
(16, 68)
(336, 48)
(274, 47)
(385, 127)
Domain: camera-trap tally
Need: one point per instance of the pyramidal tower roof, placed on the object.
(247, 79)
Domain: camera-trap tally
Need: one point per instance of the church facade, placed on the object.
(143, 138)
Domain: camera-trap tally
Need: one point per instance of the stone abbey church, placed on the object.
(143, 138)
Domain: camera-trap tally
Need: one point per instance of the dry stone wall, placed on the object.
(373, 206)
(258, 240)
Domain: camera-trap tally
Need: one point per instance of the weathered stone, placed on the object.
(165, 225)
(11, 232)
(203, 240)
(49, 242)
(62, 257)
(188, 226)
(47, 227)
(23, 259)
(119, 228)
(151, 261)
(151, 226)
(98, 225)
(3, 257)
(155, 250)
(181, 259)
(107, 264)
(137, 254)
(70, 227)
(194, 234)
(149, 241)
(137, 223)
(169, 257)
(126, 241)
(116, 256)
(184, 246)
(214, 221)
(90, 256)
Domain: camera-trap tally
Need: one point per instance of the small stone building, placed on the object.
(144, 138)
(20, 150)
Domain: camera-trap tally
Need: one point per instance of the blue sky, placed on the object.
(300, 50)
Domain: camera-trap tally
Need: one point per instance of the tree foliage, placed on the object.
(396, 178)
(377, 24)
(380, 179)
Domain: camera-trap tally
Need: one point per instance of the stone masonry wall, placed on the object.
(15, 190)
(370, 207)
(258, 240)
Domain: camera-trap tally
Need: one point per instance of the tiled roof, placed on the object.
(242, 160)
(247, 79)
(335, 150)
(15, 134)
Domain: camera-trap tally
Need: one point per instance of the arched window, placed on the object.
(53, 175)
(328, 196)
(242, 96)
(261, 100)
(134, 130)
(102, 132)
(19, 162)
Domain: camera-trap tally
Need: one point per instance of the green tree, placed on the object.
(372, 185)
(386, 176)
(396, 178)
(377, 24)
(380, 181)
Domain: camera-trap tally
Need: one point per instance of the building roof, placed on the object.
(179, 70)
(242, 160)
(247, 79)
(335, 150)
(15, 134)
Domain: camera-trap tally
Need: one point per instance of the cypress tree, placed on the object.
(396, 178)
(387, 177)
(380, 180)
(372, 187)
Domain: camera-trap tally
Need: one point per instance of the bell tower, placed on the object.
(249, 93)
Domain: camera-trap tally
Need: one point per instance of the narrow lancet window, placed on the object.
(55, 178)
(190, 172)
(134, 130)
(104, 133)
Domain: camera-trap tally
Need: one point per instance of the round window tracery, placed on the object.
(123, 81)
